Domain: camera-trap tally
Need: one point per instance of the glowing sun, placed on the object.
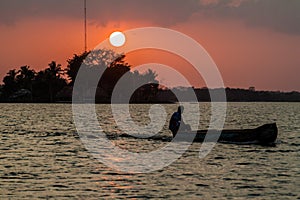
(117, 39)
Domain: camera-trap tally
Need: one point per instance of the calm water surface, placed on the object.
(41, 156)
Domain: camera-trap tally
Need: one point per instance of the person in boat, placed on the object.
(176, 121)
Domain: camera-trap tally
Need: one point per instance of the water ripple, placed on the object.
(41, 156)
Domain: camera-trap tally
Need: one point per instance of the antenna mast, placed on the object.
(85, 28)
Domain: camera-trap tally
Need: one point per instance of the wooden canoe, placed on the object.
(264, 135)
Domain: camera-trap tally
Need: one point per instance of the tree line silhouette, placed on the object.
(55, 84)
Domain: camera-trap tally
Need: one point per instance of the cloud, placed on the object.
(278, 15)
(166, 12)
(13, 11)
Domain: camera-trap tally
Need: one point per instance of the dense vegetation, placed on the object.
(55, 84)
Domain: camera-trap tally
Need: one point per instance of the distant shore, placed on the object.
(55, 85)
(168, 97)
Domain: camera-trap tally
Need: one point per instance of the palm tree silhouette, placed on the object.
(25, 78)
(10, 83)
(53, 73)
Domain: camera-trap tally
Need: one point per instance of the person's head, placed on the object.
(180, 109)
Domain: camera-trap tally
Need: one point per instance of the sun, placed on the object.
(117, 39)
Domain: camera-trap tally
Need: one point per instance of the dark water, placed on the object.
(41, 156)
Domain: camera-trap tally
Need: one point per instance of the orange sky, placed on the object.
(246, 54)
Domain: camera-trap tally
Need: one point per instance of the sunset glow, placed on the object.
(248, 52)
(171, 99)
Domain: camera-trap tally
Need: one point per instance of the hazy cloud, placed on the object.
(279, 15)
(165, 12)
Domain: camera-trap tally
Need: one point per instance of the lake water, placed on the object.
(41, 156)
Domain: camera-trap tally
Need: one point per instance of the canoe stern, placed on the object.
(267, 133)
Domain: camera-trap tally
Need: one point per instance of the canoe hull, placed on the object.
(265, 135)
